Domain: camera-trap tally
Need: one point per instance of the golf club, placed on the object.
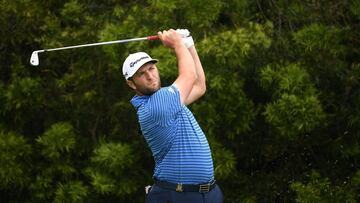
(34, 60)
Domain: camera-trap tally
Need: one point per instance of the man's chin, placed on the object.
(150, 91)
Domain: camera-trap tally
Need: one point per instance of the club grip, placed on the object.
(154, 37)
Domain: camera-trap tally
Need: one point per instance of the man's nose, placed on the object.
(149, 76)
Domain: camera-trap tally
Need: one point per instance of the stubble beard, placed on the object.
(146, 90)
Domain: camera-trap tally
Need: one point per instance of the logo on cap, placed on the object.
(132, 64)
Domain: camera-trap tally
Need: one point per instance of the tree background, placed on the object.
(281, 112)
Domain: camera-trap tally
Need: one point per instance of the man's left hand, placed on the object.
(186, 37)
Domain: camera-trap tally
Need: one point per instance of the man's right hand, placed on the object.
(170, 38)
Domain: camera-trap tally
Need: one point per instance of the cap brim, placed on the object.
(152, 60)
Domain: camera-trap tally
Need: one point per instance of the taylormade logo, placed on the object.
(132, 64)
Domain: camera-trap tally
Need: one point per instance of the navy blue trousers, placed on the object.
(161, 195)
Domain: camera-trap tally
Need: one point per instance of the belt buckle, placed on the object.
(179, 188)
(204, 188)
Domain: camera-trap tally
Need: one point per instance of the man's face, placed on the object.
(146, 80)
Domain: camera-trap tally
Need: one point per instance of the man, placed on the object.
(183, 163)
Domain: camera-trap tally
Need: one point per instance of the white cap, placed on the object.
(134, 61)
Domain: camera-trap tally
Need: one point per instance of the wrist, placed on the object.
(179, 45)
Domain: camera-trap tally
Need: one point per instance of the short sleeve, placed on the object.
(165, 104)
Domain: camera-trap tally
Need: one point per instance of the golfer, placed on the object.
(184, 170)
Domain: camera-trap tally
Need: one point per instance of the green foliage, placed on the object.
(199, 14)
(112, 163)
(240, 113)
(321, 190)
(317, 38)
(72, 13)
(236, 11)
(167, 64)
(73, 191)
(42, 188)
(355, 8)
(229, 48)
(2, 98)
(291, 79)
(296, 109)
(23, 93)
(224, 161)
(14, 160)
(281, 107)
(356, 179)
(304, 116)
(57, 141)
(194, 13)
(51, 181)
(113, 156)
(102, 183)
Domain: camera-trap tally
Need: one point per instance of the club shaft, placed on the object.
(102, 43)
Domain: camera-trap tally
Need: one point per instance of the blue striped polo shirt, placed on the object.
(179, 146)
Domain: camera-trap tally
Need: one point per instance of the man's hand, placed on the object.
(183, 32)
(186, 66)
(186, 37)
(170, 38)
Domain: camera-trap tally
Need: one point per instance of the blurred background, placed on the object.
(281, 112)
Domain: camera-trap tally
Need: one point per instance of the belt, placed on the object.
(202, 188)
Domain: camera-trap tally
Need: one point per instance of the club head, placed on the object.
(34, 60)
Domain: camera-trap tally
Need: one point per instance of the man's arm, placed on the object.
(186, 66)
(199, 87)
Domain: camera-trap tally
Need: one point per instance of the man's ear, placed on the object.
(131, 84)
